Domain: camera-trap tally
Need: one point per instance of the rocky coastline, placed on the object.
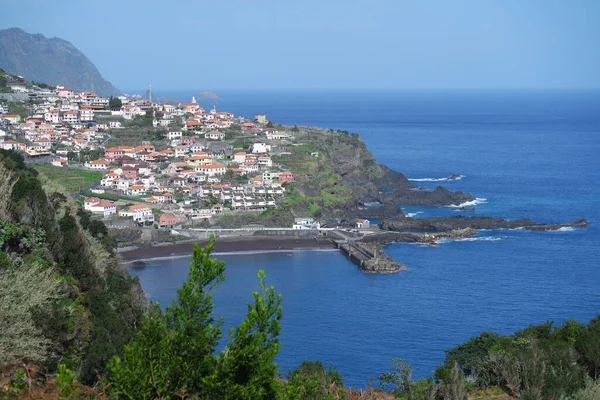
(458, 223)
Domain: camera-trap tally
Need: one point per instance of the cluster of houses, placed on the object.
(187, 176)
(197, 175)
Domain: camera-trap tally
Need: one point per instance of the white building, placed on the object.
(97, 164)
(70, 117)
(139, 213)
(174, 135)
(211, 169)
(261, 148)
(52, 116)
(86, 114)
(305, 223)
(95, 205)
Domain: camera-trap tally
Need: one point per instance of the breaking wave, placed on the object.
(565, 229)
(449, 178)
(473, 239)
(477, 201)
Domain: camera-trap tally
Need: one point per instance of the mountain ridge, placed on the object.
(54, 60)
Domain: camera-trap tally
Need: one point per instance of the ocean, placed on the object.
(522, 154)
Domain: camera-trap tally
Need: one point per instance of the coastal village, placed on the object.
(196, 166)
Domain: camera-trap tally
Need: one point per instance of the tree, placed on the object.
(114, 103)
(453, 387)
(172, 355)
(172, 352)
(310, 381)
(22, 290)
(470, 356)
(246, 368)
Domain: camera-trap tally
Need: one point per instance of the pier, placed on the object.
(368, 257)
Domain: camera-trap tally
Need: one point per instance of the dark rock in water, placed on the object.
(454, 177)
(139, 264)
(387, 210)
(438, 197)
(466, 209)
(392, 179)
(382, 265)
(448, 224)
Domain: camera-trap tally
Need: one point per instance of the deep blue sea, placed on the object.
(524, 154)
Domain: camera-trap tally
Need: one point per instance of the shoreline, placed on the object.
(222, 245)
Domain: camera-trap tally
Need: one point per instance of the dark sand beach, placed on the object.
(224, 244)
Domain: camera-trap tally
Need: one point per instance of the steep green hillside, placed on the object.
(61, 289)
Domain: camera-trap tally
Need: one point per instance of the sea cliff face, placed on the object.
(336, 174)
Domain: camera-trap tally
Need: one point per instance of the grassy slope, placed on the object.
(72, 179)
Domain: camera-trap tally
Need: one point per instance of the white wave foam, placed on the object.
(473, 239)
(477, 201)
(566, 229)
(436, 179)
(414, 214)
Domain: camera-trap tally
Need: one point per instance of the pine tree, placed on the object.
(246, 368)
(173, 351)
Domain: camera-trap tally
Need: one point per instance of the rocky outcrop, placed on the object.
(381, 265)
(391, 179)
(449, 224)
(438, 197)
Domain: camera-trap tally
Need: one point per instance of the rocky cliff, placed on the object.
(53, 61)
(336, 175)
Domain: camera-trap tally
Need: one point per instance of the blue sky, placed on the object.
(281, 44)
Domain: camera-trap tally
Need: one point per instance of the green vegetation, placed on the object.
(66, 297)
(134, 136)
(114, 103)
(18, 108)
(112, 197)
(344, 170)
(72, 179)
(144, 120)
(173, 353)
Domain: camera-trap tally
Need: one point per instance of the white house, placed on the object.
(260, 147)
(305, 223)
(52, 116)
(108, 179)
(95, 205)
(239, 157)
(115, 124)
(59, 162)
(12, 118)
(86, 114)
(214, 135)
(139, 213)
(211, 169)
(174, 135)
(89, 202)
(363, 223)
(70, 117)
(136, 190)
(265, 161)
(97, 164)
